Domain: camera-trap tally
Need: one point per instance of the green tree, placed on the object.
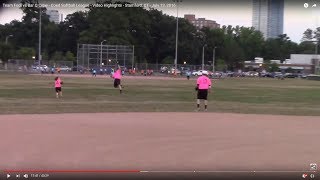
(26, 53)
(251, 42)
(70, 30)
(45, 56)
(274, 67)
(6, 52)
(307, 35)
(306, 47)
(233, 53)
(57, 56)
(70, 56)
(220, 65)
(279, 48)
(168, 60)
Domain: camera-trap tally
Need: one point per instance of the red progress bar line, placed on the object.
(72, 171)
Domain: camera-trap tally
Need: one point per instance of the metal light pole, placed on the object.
(213, 58)
(7, 37)
(316, 52)
(177, 28)
(39, 50)
(203, 56)
(101, 53)
(132, 57)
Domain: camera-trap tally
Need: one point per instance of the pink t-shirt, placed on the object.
(57, 83)
(204, 82)
(117, 74)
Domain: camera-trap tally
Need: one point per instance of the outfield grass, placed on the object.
(33, 94)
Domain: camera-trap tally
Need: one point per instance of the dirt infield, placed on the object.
(159, 141)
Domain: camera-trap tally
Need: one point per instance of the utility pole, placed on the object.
(203, 57)
(39, 50)
(101, 53)
(213, 58)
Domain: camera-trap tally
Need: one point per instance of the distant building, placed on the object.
(54, 16)
(201, 22)
(306, 63)
(61, 15)
(267, 17)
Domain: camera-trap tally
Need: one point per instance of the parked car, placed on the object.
(290, 75)
(75, 68)
(217, 75)
(184, 71)
(173, 70)
(164, 69)
(253, 74)
(199, 73)
(302, 75)
(276, 75)
(42, 68)
(65, 68)
(230, 74)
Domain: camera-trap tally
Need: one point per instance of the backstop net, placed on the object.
(96, 55)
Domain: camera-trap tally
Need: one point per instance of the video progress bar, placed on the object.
(151, 171)
(253, 171)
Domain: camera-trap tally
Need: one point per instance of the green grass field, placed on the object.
(33, 94)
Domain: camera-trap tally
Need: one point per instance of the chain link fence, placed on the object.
(168, 68)
(31, 65)
(98, 55)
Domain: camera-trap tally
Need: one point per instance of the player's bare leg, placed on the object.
(60, 93)
(205, 105)
(198, 104)
(120, 88)
(57, 95)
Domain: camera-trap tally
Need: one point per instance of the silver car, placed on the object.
(65, 68)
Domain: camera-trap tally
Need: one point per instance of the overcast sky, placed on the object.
(297, 18)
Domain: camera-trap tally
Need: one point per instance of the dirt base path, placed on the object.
(159, 141)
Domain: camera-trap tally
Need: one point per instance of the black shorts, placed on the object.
(58, 89)
(202, 94)
(116, 83)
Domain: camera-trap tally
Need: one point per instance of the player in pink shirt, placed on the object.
(117, 75)
(203, 87)
(58, 84)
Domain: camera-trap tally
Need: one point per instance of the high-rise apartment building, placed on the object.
(54, 16)
(267, 17)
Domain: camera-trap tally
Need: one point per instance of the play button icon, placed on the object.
(8, 175)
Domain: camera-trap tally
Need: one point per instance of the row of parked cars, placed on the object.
(266, 74)
(219, 74)
(45, 68)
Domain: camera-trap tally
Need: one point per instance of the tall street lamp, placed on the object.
(7, 37)
(40, 58)
(39, 48)
(203, 56)
(213, 58)
(177, 28)
(101, 52)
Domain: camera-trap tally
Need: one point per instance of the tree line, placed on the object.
(151, 32)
